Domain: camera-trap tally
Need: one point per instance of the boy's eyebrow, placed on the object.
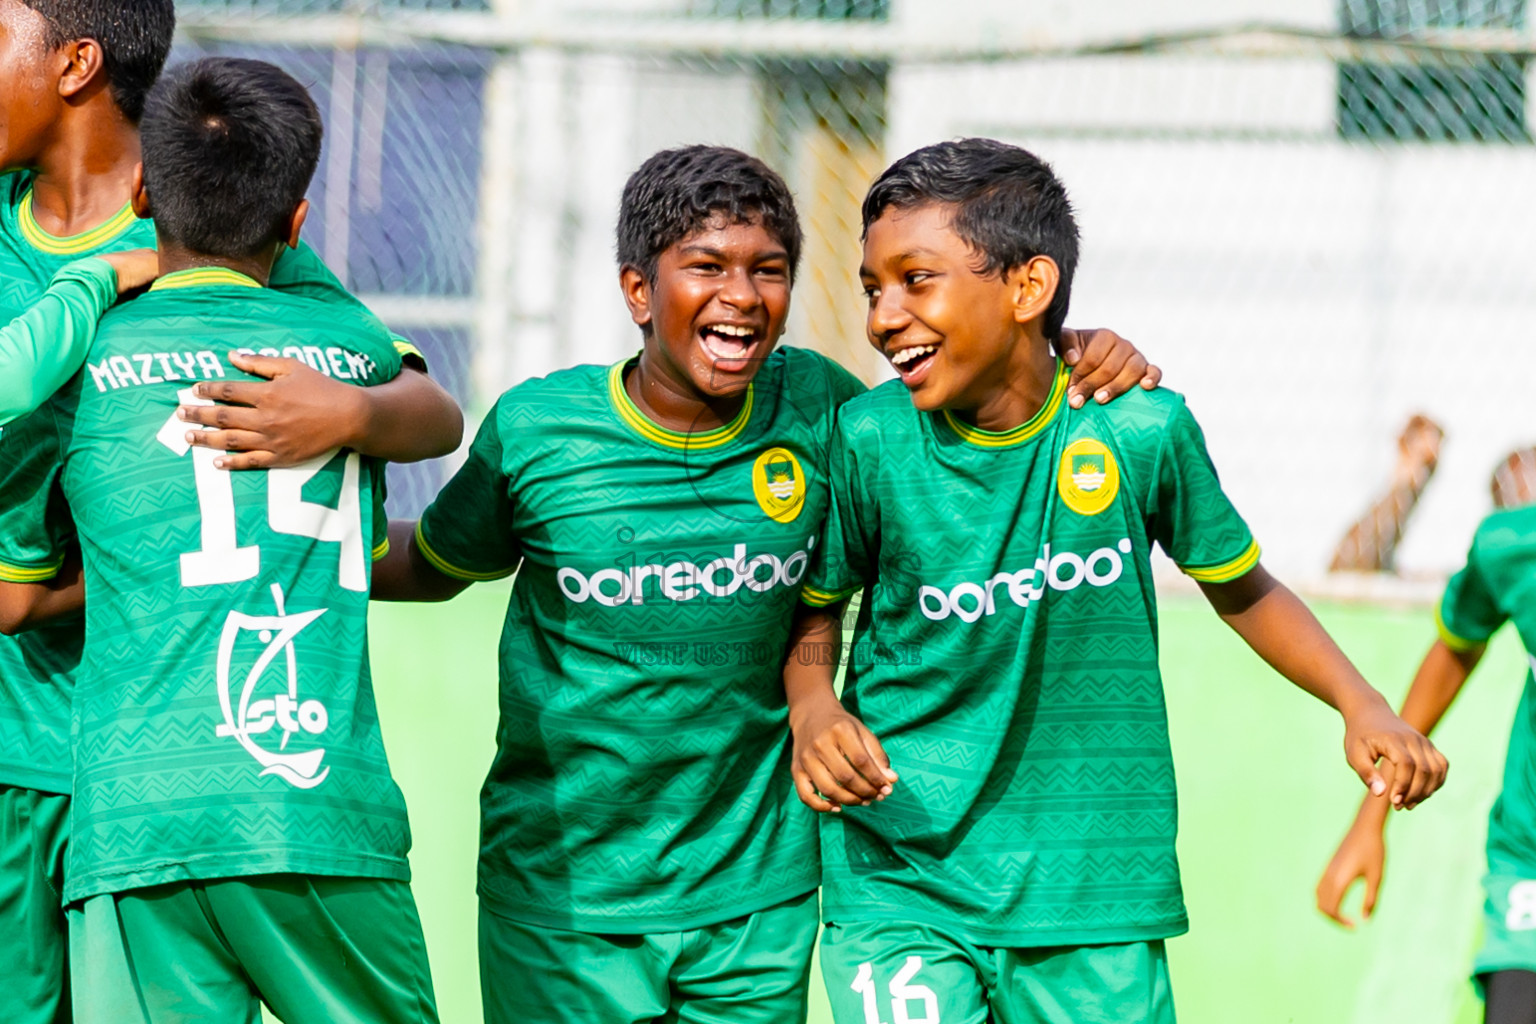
(917, 252)
(699, 249)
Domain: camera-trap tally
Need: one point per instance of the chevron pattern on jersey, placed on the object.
(37, 669)
(1037, 803)
(641, 779)
(224, 723)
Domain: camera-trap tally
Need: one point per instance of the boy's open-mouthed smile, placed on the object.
(719, 303)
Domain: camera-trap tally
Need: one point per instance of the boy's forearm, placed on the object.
(408, 419)
(25, 606)
(1439, 679)
(1284, 632)
(42, 348)
(405, 575)
(810, 669)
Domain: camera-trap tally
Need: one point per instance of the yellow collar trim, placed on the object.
(202, 277)
(638, 421)
(74, 245)
(1024, 431)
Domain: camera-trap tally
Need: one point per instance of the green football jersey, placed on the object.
(1498, 585)
(641, 780)
(224, 722)
(36, 668)
(1006, 656)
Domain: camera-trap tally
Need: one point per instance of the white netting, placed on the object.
(1316, 227)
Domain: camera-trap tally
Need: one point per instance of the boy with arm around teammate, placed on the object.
(1022, 866)
(236, 837)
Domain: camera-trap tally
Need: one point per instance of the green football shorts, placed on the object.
(905, 973)
(1509, 917)
(751, 970)
(316, 950)
(34, 965)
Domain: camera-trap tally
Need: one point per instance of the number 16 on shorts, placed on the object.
(903, 995)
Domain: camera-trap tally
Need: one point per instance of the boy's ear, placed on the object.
(140, 198)
(637, 295)
(296, 224)
(1033, 285)
(86, 65)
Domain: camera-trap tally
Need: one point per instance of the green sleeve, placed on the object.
(46, 345)
(35, 524)
(466, 532)
(380, 539)
(1469, 613)
(301, 272)
(1191, 516)
(845, 559)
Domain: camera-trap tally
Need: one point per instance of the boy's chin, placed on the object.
(715, 383)
(927, 398)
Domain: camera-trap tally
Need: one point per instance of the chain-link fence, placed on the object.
(1317, 230)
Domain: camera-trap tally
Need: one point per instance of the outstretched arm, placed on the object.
(1363, 852)
(298, 413)
(405, 574)
(1282, 631)
(1104, 365)
(836, 760)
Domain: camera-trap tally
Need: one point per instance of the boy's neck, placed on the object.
(85, 173)
(1022, 387)
(175, 257)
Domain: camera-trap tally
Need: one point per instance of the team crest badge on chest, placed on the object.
(1088, 479)
(778, 483)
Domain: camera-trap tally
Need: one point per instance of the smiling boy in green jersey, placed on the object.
(235, 836)
(1495, 586)
(1021, 868)
(73, 78)
(643, 856)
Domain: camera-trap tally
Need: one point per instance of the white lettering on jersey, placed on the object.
(333, 361)
(118, 371)
(684, 581)
(1062, 571)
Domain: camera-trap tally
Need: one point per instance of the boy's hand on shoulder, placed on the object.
(1362, 854)
(837, 761)
(1104, 365)
(296, 414)
(1374, 733)
(135, 267)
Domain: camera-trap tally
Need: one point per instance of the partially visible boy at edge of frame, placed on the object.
(1497, 585)
(1022, 867)
(73, 78)
(235, 835)
(643, 856)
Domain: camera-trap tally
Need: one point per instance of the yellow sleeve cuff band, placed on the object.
(1459, 644)
(822, 599)
(447, 568)
(1227, 571)
(19, 574)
